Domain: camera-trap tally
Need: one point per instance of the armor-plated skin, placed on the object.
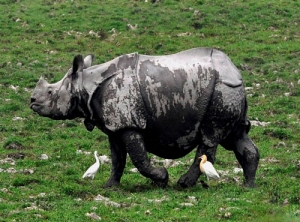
(165, 105)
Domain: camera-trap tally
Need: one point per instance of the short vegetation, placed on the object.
(42, 161)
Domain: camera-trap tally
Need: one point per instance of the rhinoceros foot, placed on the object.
(160, 177)
(186, 181)
(249, 184)
(111, 183)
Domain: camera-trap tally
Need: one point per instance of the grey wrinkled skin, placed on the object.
(165, 105)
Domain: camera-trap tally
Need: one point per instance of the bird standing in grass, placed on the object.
(208, 169)
(92, 170)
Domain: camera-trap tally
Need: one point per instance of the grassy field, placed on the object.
(41, 38)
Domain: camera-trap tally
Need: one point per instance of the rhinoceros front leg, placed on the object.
(118, 155)
(190, 178)
(136, 149)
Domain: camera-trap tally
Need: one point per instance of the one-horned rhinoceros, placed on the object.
(166, 105)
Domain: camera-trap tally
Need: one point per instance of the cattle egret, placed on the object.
(208, 169)
(92, 170)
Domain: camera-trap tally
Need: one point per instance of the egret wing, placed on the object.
(210, 171)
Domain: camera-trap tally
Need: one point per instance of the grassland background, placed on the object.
(41, 37)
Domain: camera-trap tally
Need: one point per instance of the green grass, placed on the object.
(42, 37)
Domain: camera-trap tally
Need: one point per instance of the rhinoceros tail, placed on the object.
(245, 119)
(206, 94)
(244, 124)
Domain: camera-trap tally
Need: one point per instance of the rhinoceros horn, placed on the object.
(42, 81)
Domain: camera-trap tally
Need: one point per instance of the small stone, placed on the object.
(147, 212)
(38, 215)
(221, 209)
(281, 144)
(106, 201)
(164, 198)
(14, 88)
(196, 12)
(4, 190)
(11, 170)
(44, 157)
(248, 88)
(42, 195)
(104, 159)
(286, 202)
(192, 199)
(132, 27)
(186, 204)
(134, 170)
(8, 161)
(33, 207)
(223, 172)
(93, 216)
(17, 118)
(258, 123)
(227, 215)
(78, 151)
(237, 170)
(27, 171)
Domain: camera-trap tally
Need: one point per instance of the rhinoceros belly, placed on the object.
(172, 137)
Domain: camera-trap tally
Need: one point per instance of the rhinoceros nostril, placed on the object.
(32, 100)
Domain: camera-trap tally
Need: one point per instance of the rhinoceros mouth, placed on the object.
(35, 107)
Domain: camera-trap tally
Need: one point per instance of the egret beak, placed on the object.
(200, 158)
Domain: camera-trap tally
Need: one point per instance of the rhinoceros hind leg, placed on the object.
(248, 156)
(246, 153)
(136, 149)
(190, 178)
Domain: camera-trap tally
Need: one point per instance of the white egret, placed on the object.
(208, 169)
(92, 170)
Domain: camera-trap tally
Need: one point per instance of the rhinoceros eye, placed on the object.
(50, 92)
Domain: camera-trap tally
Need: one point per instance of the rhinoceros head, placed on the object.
(60, 100)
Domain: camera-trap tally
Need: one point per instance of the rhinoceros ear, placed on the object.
(88, 60)
(78, 64)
